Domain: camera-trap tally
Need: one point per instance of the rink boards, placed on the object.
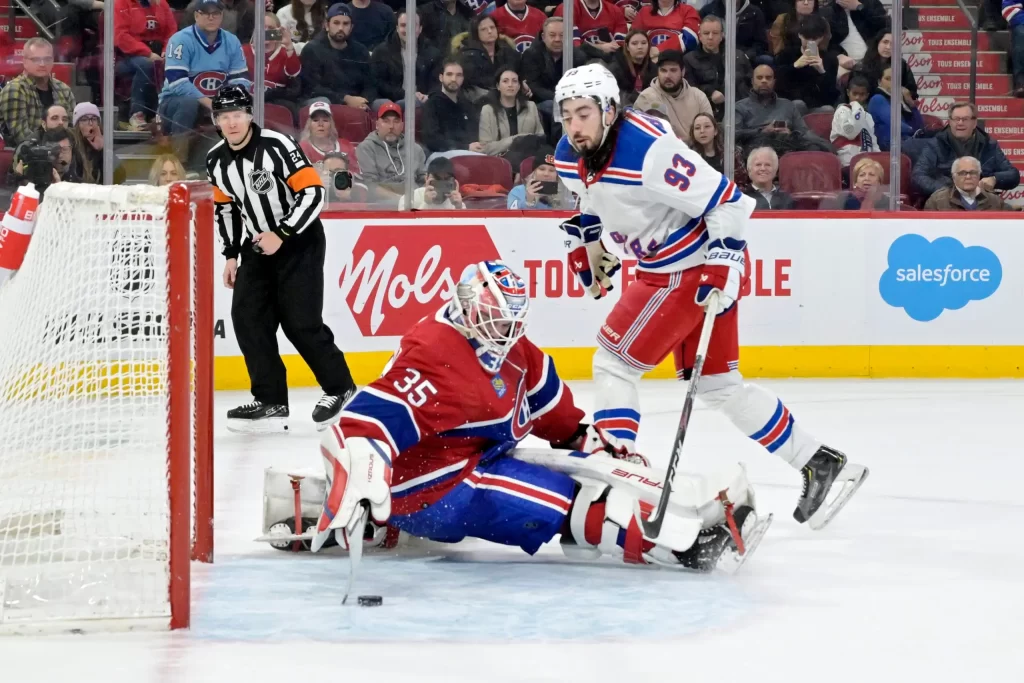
(830, 295)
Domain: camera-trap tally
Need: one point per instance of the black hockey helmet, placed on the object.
(232, 98)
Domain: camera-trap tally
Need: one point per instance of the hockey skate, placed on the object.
(716, 547)
(826, 468)
(328, 408)
(258, 418)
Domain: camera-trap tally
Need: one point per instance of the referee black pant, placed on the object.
(286, 290)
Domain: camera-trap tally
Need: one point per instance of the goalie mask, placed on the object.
(490, 307)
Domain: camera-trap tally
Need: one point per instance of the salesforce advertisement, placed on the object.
(948, 282)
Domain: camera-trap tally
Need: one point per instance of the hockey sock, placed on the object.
(616, 401)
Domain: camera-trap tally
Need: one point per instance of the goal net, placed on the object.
(105, 410)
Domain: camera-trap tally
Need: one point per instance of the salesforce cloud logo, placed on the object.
(925, 278)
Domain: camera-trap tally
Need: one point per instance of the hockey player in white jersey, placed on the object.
(644, 189)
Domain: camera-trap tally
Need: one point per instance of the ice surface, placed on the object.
(919, 579)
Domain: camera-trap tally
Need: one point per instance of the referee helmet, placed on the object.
(232, 98)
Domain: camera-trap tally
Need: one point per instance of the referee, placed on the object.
(267, 203)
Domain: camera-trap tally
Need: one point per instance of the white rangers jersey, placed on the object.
(657, 199)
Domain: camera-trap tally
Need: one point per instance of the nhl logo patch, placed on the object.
(260, 181)
(499, 386)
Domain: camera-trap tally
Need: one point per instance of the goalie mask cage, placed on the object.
(106, 390)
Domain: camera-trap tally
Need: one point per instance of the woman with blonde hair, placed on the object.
(866, 189)
(87, 140)
(319, 137)
(166, 169)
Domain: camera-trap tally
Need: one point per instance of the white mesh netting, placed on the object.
(84, 513)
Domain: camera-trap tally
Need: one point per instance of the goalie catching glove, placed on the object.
(725, 268)
(358, 471)
(588, 259)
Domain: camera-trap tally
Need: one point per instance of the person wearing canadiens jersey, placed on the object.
(433, 448)
(660, 202)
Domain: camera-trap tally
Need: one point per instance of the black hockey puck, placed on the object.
(370, 601)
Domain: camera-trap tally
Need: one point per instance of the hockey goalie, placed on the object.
(432, 448)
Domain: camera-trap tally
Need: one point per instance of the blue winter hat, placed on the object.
(339, 9)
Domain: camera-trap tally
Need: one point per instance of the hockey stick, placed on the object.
(652, 525)
(355, 552)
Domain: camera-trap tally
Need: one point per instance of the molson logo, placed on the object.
(913, 41)
(921, 62)
(401, 273)
(929, 83)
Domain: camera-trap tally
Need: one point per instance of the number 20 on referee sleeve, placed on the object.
(680, 180)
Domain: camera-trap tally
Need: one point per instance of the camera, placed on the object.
(273, 34)
(38, 162)
(342, 180)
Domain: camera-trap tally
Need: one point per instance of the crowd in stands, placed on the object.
(809, 76)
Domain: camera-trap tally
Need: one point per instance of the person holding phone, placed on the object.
(808, 73)
(441, 190)
(539, 189)
(282, 65)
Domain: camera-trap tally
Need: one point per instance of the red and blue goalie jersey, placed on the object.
(439, 412)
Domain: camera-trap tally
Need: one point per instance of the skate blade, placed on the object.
(268, 425)
(731, 561)
(321, 426)
(851, 477)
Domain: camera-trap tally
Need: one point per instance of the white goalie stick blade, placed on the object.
(731, 561)
(355, 550)
(850, 479)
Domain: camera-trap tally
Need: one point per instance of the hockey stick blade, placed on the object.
(353, 537)
(652, 525)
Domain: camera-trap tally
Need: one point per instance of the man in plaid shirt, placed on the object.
(24, 99)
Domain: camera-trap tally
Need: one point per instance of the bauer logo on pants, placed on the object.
(926, 278)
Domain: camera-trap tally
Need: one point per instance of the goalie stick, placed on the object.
(652, 525)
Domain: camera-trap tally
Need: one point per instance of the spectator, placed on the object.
(239, 17)
(382, 154)
(509, 123)
(335, 68)
(542, 65)
(483, 52)
(166, 169)
(762, 165)
(388, 65)
(783, 32)
(751, 29)
(302, 19)
(705, 67)
(443, 20)
(1015, 20)
(764, 118)
(203, 48)
(671, 94)
(866, 187)
(706, 140)
(599, 27)
(320, 136)
(854, 23)
(141, 31)
(878, 58)
(519, 22)
(966, 192)
(54, 117)
(853, 128)
(336, 164)
(632, 66)
(450, 120)
(372, 22)
(962, 138)
(64, 166)
(669, 24)
(539, 189)
(282, 66)
(807, 73)
(441, 190)
(880, 108)
(24, 99)
(87, 141)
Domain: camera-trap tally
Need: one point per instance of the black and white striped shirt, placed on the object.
(268, 185)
